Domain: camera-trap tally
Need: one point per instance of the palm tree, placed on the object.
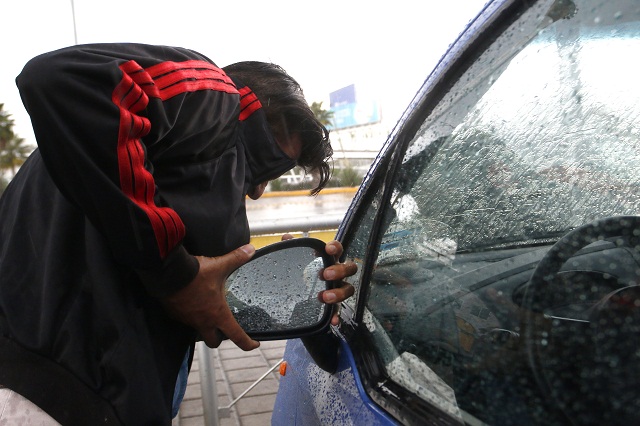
(13, 151)
(324, 116)
(6, 125)
(14, 154)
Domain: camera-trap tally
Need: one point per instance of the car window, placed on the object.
(469, 306)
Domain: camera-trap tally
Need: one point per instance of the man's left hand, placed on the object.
(337, 272)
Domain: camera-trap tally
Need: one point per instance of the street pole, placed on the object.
(75, 32)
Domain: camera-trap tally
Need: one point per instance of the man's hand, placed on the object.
(202, 303)
(337, 272)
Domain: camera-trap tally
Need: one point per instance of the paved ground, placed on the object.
(235, 371)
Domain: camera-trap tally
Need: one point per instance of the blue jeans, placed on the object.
(181, 384)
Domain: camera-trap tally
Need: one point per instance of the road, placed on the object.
(276, 213)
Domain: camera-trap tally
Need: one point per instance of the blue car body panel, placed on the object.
(310, 396)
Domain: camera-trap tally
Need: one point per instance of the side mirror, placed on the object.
(275, 295)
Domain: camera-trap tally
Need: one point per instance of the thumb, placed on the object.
(235, 259)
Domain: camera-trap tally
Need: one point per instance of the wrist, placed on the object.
(178, 269)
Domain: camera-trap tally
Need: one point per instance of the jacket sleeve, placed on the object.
(102, 115)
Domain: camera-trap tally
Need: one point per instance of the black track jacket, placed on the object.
(145, 155)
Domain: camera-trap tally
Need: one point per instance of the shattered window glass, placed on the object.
(506, 284)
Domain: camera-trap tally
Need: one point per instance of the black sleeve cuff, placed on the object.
(177, 271)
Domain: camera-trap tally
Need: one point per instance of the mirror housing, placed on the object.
(275, 295)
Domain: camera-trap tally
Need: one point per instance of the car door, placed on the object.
(497, 237)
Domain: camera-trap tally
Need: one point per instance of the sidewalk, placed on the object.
(235, 371)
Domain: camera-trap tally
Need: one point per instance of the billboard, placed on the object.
(348, 110)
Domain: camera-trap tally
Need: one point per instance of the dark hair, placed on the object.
(287, 112)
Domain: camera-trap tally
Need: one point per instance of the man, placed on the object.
(118, 233)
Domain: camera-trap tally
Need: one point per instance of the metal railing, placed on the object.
(298, 224)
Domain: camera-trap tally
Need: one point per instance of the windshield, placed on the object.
(536, 146)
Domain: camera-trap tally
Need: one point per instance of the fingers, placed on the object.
(220, 324)
(339, 271)
(335, 319)
(212, 337)
(334, 248)
(336, 295)
(202, 304)
(236, 334)
(336, 272)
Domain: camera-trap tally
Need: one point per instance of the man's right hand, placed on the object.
(202, 304)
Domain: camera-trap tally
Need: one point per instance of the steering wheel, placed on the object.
(556, 361)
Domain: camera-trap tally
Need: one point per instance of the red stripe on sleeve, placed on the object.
(135, 181)
(131, 95)
(162, 68)
(174, 78)
(194, 86)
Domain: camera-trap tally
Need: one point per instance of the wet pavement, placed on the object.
(235, 371)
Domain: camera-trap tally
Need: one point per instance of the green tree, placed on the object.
(323, 115)
(13, 151)
(14, 155)
(6, 127)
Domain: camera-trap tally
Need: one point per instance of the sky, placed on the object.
(385, 48)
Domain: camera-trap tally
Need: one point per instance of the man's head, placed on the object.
(294, 125)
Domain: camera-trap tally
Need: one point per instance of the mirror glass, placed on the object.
(277, 291)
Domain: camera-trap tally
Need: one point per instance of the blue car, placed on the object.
(497, 236)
